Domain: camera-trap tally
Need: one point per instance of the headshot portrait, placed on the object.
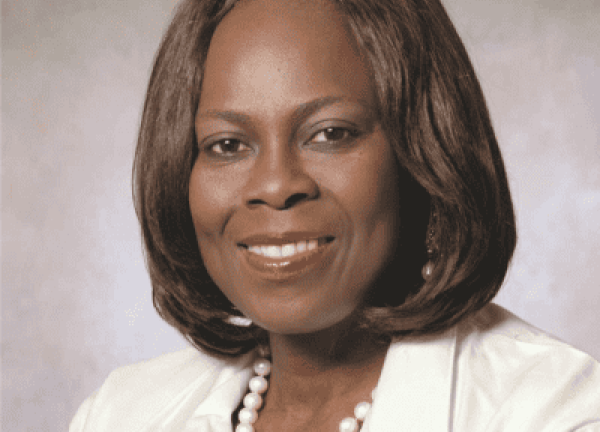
(312, 215)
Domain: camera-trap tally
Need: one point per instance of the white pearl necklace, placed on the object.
(253, 402)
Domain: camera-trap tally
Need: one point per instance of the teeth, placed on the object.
(285, 251)
(271, 251)
(288, 250)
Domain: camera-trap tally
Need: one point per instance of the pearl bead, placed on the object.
(349, 424)
(244, 427)
(258, 384)
(253, 401)
(262, 367)
(361, 410)
(247, 415)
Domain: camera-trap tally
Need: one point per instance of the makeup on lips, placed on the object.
(279, 257)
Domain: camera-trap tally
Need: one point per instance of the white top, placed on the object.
(490, 373)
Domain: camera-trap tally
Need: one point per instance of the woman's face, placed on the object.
(292, 161)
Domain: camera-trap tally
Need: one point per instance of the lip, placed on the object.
(285, 268)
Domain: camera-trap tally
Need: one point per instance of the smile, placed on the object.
(281, 262)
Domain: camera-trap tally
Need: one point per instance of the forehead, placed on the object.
(305, 47)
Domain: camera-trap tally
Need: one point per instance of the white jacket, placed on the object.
(491, 373)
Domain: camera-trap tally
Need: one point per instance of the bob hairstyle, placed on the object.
(436, 119)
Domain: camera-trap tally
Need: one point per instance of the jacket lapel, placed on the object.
(162, 395)
(416, 387)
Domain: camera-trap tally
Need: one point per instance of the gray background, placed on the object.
(75, 294)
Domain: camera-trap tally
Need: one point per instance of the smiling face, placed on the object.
(294, 194)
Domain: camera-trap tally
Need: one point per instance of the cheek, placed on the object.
(202, 208)
(211, 197)
(367, 189)
(366, 186)
(210, 207)
(210, 210)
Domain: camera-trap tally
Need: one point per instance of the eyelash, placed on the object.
(348, 134)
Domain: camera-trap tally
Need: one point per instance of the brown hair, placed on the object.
(436, 119)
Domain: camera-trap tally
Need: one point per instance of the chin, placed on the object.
(286, 323)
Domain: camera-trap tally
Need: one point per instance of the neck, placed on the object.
(311, 370)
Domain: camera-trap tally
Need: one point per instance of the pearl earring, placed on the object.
(427, 270)
(429, 266)
(239, 321)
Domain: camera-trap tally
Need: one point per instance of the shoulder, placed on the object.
(515, 374)
(166, 370)
(494, 331)
(141, 393)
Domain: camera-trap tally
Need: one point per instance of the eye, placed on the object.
(333, 134)
(227, 147)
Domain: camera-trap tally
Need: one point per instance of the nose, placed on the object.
(279, 179)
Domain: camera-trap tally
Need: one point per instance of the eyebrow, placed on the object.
(300, 114)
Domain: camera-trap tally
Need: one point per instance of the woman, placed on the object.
(326, 217)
